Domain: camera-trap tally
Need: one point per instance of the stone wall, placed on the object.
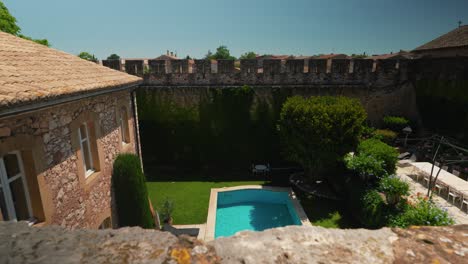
(50, 135)
(22, 244)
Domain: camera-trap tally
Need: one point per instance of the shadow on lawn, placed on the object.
(161, 174)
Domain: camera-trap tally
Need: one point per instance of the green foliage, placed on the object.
(225, 127)
(423, 213)
(113, 57)
(395, 123)
(381, 151)
(87, 56)
(8, 25)
(394, 189)
(222, 53)
(131, 196)
(368, 132)
(318, 131)
(373, 209)
(248, 55)
(167, 210)
(7, 21)
(365, 165)
(385, 135)
(359, 56)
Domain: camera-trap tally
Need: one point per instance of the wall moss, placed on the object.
(443, 106)
(228, 127)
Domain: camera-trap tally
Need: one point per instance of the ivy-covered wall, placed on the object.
(209, 127)
(443, 106)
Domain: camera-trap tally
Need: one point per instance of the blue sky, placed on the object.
(147, 28)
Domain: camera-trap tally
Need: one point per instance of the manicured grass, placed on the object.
(190, 198)
(190, 193)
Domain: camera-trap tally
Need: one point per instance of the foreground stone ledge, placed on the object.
(22, 244)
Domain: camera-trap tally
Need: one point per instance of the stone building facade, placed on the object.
(63, 121)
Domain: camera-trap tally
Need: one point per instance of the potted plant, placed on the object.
(166, 211)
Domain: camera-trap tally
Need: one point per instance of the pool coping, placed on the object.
(211, 219)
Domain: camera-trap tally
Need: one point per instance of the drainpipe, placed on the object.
(136, 127)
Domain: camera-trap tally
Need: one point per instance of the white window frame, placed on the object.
(88, 171)
(5, 183)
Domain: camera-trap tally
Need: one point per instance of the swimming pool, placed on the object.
(252, 208)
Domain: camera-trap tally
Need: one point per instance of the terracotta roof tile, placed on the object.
(455, 38)
(31, 72)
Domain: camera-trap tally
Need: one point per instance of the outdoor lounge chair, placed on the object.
(440, 187)
(181, 231)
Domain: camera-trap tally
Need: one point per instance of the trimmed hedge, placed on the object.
(381, 151)
(395, 123)
(131, 195)
(385, 135)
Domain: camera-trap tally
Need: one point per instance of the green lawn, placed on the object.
(191, 197)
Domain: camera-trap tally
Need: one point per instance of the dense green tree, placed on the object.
(222, 53)
(248, 55)
(318, 131)
(7, 21)
(131, 195)
(87, 56)
(113, 57)
(8, 25)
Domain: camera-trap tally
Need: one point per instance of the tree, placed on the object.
(7, 21)
(318, 131)
(222, 53)
(87, 56)
(113, 57)
(131, 195)
(248, 55)
(8, 25)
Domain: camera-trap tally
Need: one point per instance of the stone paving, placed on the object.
(459, 216)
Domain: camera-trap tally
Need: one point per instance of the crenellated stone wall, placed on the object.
(293, 244)
(48, 142)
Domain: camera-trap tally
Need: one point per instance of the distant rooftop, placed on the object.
(31, 72)
(455, 38)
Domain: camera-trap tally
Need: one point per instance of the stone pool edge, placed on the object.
(211, 219)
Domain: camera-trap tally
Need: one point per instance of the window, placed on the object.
(124, 126)
(14, 197)
(83, 133)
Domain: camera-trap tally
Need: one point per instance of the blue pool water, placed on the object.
(253, 209)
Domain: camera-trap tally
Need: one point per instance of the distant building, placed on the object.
(331, 56)
(452, 44)
(394, 56)
(168, 56)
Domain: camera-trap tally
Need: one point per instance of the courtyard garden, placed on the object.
(190, 149)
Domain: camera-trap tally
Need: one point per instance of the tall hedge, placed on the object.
(131, 195)
(381, 151)
(318, 131)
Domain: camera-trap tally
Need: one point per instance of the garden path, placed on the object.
(455, 212)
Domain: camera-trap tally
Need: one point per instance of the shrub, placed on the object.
(131, 196)
(381, 151)
(385, 135)
(364, 165)
(166, 210)
(373, 209)
(395, 123)
(394, 189)
(367, 132)
(318, 131)
(424, 213)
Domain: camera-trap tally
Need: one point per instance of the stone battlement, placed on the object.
(264, 72)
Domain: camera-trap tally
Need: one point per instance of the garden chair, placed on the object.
(456, 173)
(464, 202)
(440, 187)
(454, 194)
(437, 164)
(445, 168)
